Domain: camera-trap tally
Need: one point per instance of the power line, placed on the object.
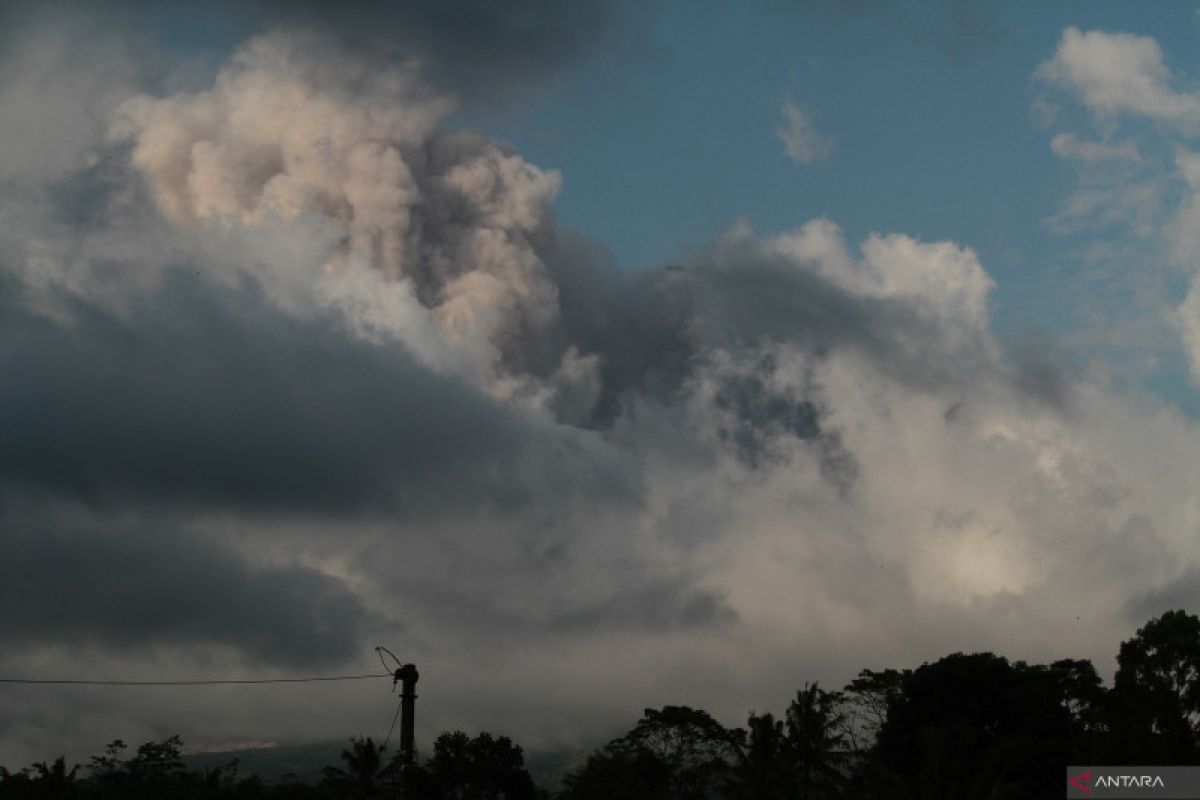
(395, 716)
(75, 682)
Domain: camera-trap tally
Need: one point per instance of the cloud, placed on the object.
(356, 153)
(71, 580)
(1129, 190)
(1069, 146)
(1181, 592)
(58, 88)
(1115, 73)
(1117, 187)
(293, 416)
(470, 49)
(802, 142)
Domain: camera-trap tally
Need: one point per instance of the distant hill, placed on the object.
(302, 763)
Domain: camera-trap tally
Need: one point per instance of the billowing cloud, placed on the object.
(354, 154)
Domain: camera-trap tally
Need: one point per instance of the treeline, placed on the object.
(963, 727)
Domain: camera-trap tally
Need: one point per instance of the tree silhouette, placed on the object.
(976, 725)
(765, 768)
(364, 762)
(485, 767)
(673, 753)
(157, 762)
(1156, 697)
(618, 773)
(867, 700)
(54, 781)
(152, 771)
(817, 737)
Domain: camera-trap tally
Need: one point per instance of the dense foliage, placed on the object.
(966, 726)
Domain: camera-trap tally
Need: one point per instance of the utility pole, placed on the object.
(407, 677)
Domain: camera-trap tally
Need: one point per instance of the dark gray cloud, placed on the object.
(763, 418)
(762, 415)
(1182, 592)
(655, 329)
(72, 578)
(659, 606)
(475, 48)
(483, 52)
(99, 196)
(207, 398)
(636, 598)
(747, 298)
(1042, 368)
(639, 322)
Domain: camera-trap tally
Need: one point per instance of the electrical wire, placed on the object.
(74, 682)
(395, 717)
(379, 651)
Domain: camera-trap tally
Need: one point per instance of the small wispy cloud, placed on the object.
(1070, 147)
(802, 141)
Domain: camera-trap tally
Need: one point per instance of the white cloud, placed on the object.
(1115, 73)
(1146, 205)
(802, 141)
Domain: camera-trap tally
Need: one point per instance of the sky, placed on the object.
(590, 356)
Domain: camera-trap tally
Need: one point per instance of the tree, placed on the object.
(1156, 698)
(155, 770)
(157, 762)
(16, 784)
(55, 780)
(867, 700)
(363, 764)
(617, 774)
(817, 737)
(975, 725)
(485, 767)
(1085, 700)
(673, 753)
(109, 769)
(765, 768)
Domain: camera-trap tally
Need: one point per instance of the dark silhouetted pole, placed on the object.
(407, 675)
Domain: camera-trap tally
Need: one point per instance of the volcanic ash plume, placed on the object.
(288, 141)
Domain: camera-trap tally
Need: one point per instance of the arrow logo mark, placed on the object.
(1080, 781)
